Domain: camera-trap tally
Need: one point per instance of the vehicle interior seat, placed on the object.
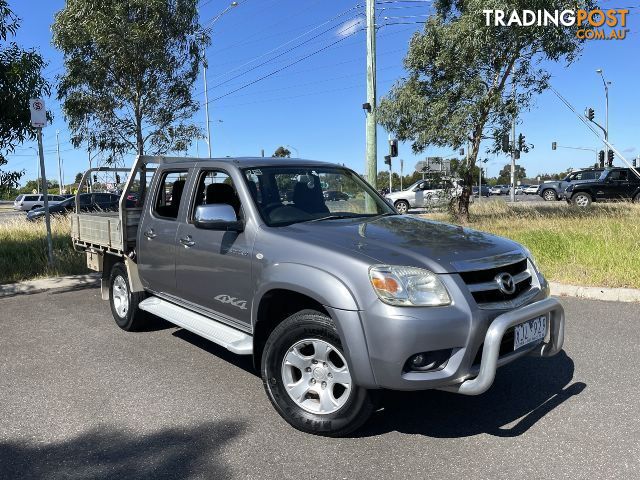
(309, 198)
(222, 193)
(171, 210)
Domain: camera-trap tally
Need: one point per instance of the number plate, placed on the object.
(530, 331)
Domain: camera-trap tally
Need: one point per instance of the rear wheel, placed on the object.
(581, 200)
(636, 199)
(549, 195)
(402, 206)
(307, 378)
(124, 302)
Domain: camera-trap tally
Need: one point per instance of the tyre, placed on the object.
(636, 199)
(581, 199)
(549, 195)
(124, 302)
(402, 206)
(307, 378)
(36, 206)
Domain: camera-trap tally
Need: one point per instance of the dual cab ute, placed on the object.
(333, 299)
(612, 185)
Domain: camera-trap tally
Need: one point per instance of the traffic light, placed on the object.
(554, 145)
(521, 142)
(95, 178)
(461, 152)
(117, 178)
(516, 155)
(387, 160)
(610, 157)
(590, 114)
(635, 163)
(505, 142)
(393, 148)
(601, 158)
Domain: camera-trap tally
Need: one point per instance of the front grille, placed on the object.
(485, 290)
(480, 276)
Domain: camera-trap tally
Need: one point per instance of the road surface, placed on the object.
(80, 398)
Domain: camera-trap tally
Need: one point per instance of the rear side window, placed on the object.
(103, 198)
(31, 198)
(169, 194)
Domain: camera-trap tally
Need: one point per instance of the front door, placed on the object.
(213, 268)
(157, 233)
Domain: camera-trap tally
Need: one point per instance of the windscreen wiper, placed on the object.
(332, 217)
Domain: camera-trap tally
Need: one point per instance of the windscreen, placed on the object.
(287, 195)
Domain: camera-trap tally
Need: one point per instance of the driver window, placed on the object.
(215, 186)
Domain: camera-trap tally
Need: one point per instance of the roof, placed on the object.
(242, 162)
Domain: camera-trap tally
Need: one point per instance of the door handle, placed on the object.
(187, 241)
(150, 234)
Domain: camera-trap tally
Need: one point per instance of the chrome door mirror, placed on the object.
(217, 216)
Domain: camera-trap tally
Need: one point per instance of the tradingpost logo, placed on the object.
(596, 24)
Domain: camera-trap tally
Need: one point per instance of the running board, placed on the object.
(233, 340)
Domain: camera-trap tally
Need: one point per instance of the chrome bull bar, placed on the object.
(496, 331)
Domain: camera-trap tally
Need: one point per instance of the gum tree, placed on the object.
(466, 81)
(130, 67)
(20, 79)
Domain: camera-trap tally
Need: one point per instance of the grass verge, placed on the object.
(23, 250)
(596, 246)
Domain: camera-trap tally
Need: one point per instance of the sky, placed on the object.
(315, 106)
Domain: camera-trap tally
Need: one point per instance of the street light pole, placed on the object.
(606, 108)
(204, 76)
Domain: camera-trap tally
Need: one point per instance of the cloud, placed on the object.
(351, 26)
(629, 150)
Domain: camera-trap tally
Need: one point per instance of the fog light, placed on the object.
(428, 361)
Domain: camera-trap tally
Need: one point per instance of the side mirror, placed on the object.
(217, 216)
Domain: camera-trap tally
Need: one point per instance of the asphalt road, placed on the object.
(79, 398)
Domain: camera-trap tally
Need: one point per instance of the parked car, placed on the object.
(334, 195)
(500, 190)
(89, 202)
(531, 190)
(614, 184)
(28, 202)
(331, 304)
(554, 190)
(424, 193)
(486, 191)
(520, 189)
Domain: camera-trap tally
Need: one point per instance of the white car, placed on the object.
(531, 190)
(28, 202)
(424, 193)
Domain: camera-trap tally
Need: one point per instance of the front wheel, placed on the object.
(402, 206)
(581, 200)
(124, 302)
(549, 195)
(307, 377)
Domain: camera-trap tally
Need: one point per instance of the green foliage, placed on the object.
(504, 177)
(282, 152)
(130, 69)
(460, 74)
(20, 79)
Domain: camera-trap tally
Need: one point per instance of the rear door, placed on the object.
(158, 229)
(213, 268)
(617, 185)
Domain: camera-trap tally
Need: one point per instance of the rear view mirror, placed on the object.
(217, 216)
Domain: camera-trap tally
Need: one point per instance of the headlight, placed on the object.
(408, 286)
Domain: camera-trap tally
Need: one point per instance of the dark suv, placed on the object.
(556, 190)
(614, 184)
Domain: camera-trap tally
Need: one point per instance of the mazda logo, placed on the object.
(505, 283)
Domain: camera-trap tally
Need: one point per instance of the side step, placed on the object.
(225, 336)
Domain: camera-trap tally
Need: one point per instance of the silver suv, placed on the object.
(424, 193)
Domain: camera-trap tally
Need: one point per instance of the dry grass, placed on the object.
(23, 250)
(596, 246)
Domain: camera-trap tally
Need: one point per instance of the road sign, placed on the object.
(38, 113)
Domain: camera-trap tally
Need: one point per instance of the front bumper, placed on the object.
(472, 334)
(493, 338)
